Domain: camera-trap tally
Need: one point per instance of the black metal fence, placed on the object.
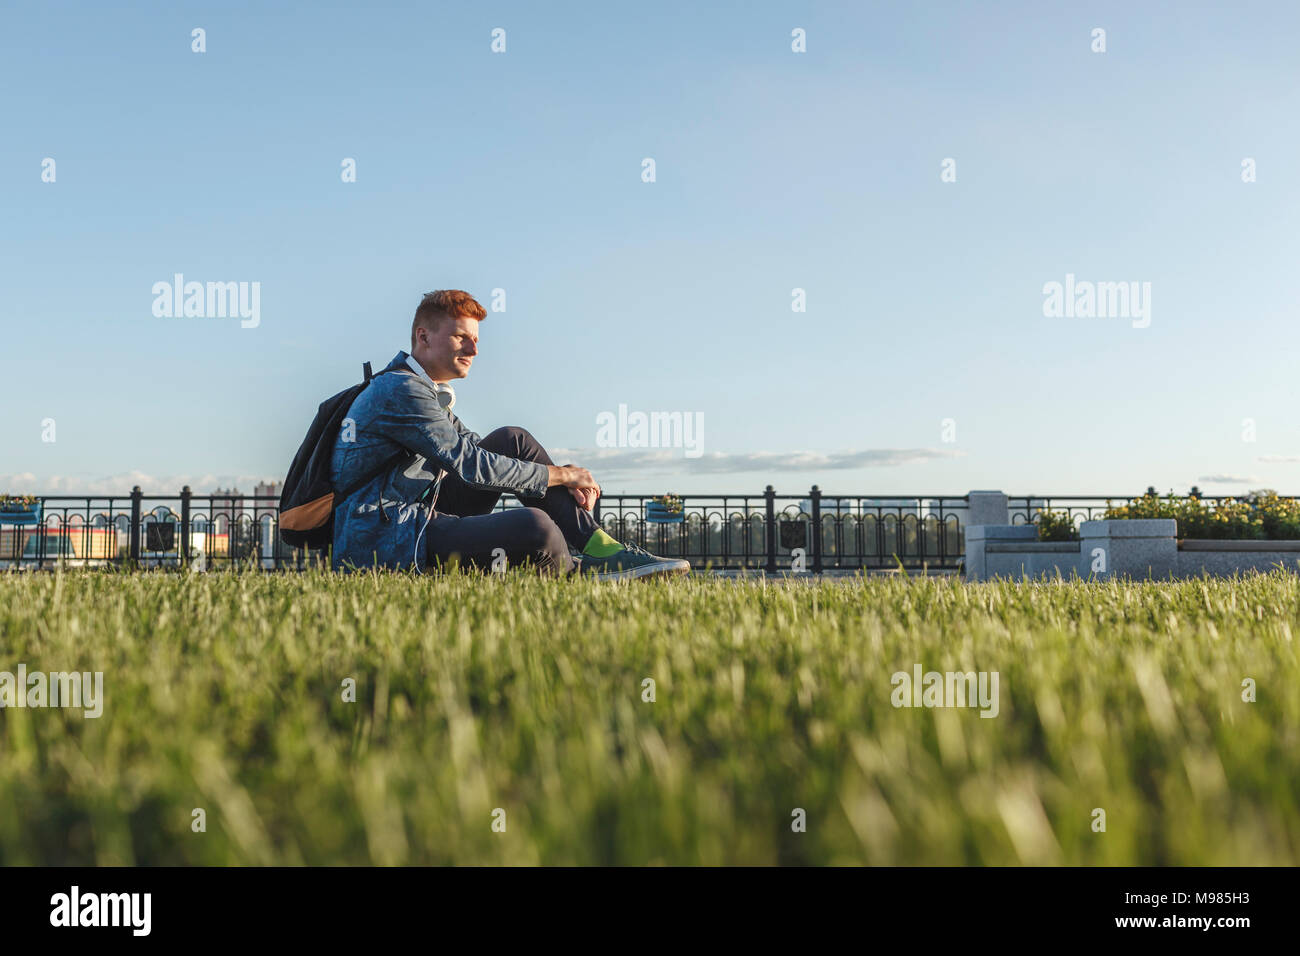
(812, 532)
(140, 530)
(1024, 509)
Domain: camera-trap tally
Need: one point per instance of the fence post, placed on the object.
(185, 525)
(815, 495)
(134, 548)
(770, 499)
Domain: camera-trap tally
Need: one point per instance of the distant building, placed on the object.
(231, 507)
(228, 503)
(234, 504)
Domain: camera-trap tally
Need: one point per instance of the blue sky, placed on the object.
(775, 170)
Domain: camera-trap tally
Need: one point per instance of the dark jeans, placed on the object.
(540, 534)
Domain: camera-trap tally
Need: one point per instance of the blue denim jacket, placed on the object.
(383, 522)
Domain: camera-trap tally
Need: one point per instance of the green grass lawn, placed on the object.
(225, 692)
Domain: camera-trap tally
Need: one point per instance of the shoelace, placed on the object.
(629, 548)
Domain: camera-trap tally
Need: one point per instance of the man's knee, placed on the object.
(538, 536)
(536, 530)
(513, 441)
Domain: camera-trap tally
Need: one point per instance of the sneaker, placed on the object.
(631, 562)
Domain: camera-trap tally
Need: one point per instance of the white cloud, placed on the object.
(1230, 479)
(635, 462)
(605, 462)
(28, 483)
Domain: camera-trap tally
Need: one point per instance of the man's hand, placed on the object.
(585, 497)
(581, 485)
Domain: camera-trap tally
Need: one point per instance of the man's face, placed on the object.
(448, 348)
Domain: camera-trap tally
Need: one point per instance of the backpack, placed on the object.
(309, 497)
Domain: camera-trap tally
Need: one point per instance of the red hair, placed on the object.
(449, 303)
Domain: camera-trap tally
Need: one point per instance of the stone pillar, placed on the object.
(1130, 548)
(987, 507)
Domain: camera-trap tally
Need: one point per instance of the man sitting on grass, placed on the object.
(433, 483)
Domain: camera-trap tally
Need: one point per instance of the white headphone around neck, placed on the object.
(446, 395)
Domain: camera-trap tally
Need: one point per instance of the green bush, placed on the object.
(1056, 526)
(1259, 516)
